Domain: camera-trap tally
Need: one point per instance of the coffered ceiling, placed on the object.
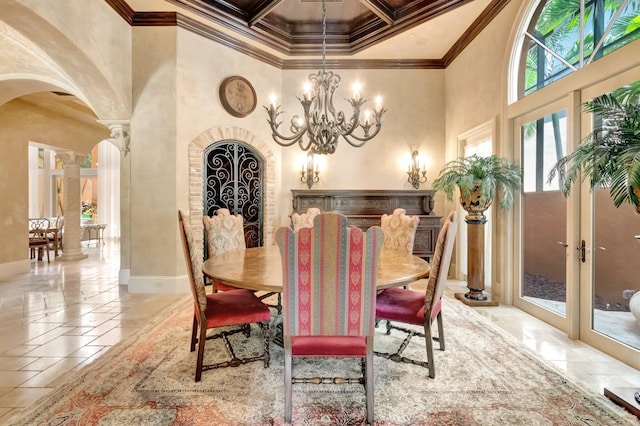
(288, 33)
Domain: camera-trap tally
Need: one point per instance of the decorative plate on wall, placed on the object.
(237, 96)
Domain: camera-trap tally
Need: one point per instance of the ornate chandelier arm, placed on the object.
(366, 127)
(297, 130)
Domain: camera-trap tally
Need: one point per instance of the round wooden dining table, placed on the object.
(260, 269)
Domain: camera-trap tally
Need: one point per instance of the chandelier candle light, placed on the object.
(320, 122)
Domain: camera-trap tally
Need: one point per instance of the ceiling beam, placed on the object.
(263, 10)
(380, 9)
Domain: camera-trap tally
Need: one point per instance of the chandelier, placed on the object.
(321, 124)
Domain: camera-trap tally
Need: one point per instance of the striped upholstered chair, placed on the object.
(329, 293)
(417, 307)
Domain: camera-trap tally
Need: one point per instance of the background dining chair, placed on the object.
(329, 293)
(38, 239)
(238, 307)
(56, 238)
(304, 220)
(223, 232)
(399, 231)
(418, 308)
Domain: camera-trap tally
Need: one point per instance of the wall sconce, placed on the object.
(309, 171)
(417, 173)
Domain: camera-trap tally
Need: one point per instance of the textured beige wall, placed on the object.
(154, 243)
(475, 93)
(415, 120)
(90, 45)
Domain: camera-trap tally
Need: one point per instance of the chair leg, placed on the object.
(369, 381)
(194, 332)
(440, 331)
(429, 342)
(264, 326)
(201, 341)
(287, 382)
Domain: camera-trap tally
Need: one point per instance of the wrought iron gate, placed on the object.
(233, 178)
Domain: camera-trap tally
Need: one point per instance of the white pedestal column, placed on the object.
(72, 207)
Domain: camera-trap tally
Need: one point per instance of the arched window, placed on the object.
(566, 35)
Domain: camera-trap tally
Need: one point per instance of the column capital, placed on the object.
(70, 158)
(120, 131)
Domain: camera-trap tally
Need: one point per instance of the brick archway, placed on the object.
(196, 183)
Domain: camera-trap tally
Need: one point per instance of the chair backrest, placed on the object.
(193, 259)
(38, 227)
(441, 260)
(329, 278)
(224, 232)
(304, 220)
(399, 231)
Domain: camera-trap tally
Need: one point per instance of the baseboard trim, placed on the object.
(11, 269)
(142, 284)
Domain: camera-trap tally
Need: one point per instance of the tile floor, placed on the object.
(64, 315)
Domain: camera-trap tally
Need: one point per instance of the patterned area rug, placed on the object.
(483, 378)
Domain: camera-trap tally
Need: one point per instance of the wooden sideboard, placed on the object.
(365, 207)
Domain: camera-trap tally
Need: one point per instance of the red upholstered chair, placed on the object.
(417, 308)
(329, 293)
(238, 307)
(225, 232)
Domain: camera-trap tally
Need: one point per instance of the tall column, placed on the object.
(120, 131)
(475, 205)
(72, 206)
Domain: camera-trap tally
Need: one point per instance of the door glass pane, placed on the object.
(615, 276)
(544, 215)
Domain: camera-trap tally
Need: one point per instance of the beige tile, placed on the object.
(56, 371)
(15, 378)
(41, 364)
(61, 346)
(15, 362)
(23, 397)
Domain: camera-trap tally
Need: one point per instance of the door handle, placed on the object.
(582, 251)
(562, 243)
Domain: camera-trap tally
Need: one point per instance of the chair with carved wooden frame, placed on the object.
(225, 232)
(304, 220)
(238, 307)
(329, 292)
(38, 237)
(399, 231)
(417, 307)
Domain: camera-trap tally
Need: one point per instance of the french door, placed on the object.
(548, 268)
(577, 253)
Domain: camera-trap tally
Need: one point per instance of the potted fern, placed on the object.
(610, 154)
(479, 179)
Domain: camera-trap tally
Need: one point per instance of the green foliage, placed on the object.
(610, 155)
(494, 172)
